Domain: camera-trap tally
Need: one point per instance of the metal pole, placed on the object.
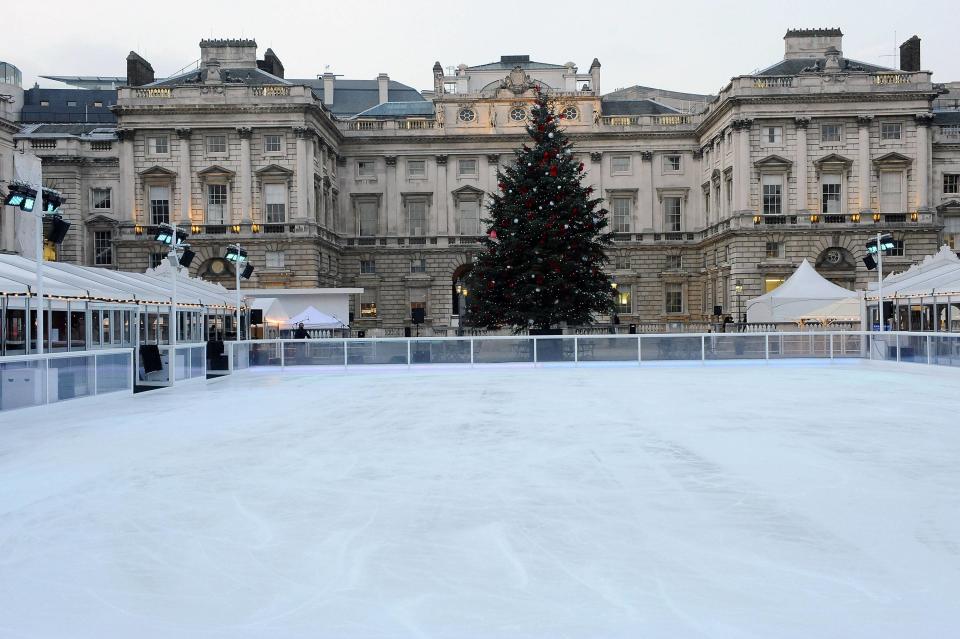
(236, 270)
(38, 252)
(880, 282)
(172, 257)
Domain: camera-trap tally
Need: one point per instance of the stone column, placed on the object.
(303, 173)
(184, 176)
(443, 197)
(647, 219)
(741, 169)
(493, 162)
(720, 153)
(245, 175)
(697, 195)
(800, 165)
(126, 198)
(324, 184)
(391, 194)
(924, 120)
(863, 162)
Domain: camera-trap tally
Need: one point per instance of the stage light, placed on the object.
(51, 201)
(869, 262)
(165, 234)
(58, 229)
(236, 255)
(21, 195)
(247, 272)
(885, 244)
(187, 258)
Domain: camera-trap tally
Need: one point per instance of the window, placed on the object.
(449, 87)
(216, 203)
(706, 201)
(366, 169)
(158, 145)
(518, 114)
(951, 183)
(831, 195)
(729, 194)
(469, 217)
(159, 204)
(97, 104)
(102, 247)
(775, 250)
(623, 261)
(621, 214)
(570, 113)
(890, 130)
(830, 133)
(673, 298)
(368, 305)
(418, 300)
(672, 210)
(772, 194)
(770, 283)
(216, 144)
(620, 164)
(416, 168)
(418, 265)
(369, 217)
(466, 115)
(772, 135)
(467, 167)
(156, 259)
(674, 262)
(671, 164)
(272, 143)
(101, 199)
(623, 300)
(417, 217)
(891, 188)
(71, 103)
(897, 250)
(275, 259)
(275, 203)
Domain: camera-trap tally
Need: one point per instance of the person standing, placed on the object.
(301, 332)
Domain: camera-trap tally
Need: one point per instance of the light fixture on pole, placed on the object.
(878, 247)
(738, 287)
(170, 234)
(238, 256)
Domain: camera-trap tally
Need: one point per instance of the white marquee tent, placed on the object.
(804, 291)
(312, 318)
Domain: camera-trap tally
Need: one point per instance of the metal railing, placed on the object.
(35, 380)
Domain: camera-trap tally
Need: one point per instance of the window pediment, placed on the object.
(274, 170)
(216, 171)
(949, 205)
(774, 163)
(677, 191)
(893, 160)
(833, 162)
(158, 171)
(101, 219)
(467, 192)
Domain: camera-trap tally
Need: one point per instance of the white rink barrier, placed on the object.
(927, 348)
(35, 380)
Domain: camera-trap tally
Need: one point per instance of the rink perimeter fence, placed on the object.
(33, 380)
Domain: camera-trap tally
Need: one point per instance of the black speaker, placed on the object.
(718, 310)
(406, 331)
(417, 315)
(869, 262)
(58, 229)
(256, 316)
(247, 271)
(187, 258)
(633, 329)
(361, 334)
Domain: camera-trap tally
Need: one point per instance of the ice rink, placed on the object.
(730, 501)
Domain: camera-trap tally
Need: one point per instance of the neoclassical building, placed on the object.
(373, 184)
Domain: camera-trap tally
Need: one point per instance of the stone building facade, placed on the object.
(332, 182)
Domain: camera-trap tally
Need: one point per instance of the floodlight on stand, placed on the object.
(247, 271)
(166, 232)
(21, 195)
(51, 200)
(187, 258)
(236, 255)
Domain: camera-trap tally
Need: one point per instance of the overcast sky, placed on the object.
(687, 45)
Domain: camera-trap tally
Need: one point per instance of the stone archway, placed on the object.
(838, 265)
(458, 289)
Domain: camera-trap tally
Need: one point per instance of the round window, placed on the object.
(518, 114)
(467, 115)
(571, 113)
(834, 256)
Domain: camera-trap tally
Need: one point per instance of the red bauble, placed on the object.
(493, 234)
(539, 279)
(553, 170)
(580, 168)
(540, 128)
(490, 285)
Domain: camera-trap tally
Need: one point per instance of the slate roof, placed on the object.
(633, 92)
(794, 66)
(946, 117)
(351, 97)
(58, 109)
(508, 62)
(253, 77)
(97, 131)
(634, 107)
(398, 109)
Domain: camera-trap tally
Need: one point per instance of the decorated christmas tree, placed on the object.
(543, 257)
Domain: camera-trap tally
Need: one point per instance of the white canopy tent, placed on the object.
(925, 297)
(804, 291)
(845, 310)
(311, 319)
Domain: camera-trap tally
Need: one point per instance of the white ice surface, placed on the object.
(720, 501)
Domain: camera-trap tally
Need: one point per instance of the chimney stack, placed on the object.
(139, 71)
(383, 83)
(595, 76)
(910, 55)
(328, 81)
(271, 64)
